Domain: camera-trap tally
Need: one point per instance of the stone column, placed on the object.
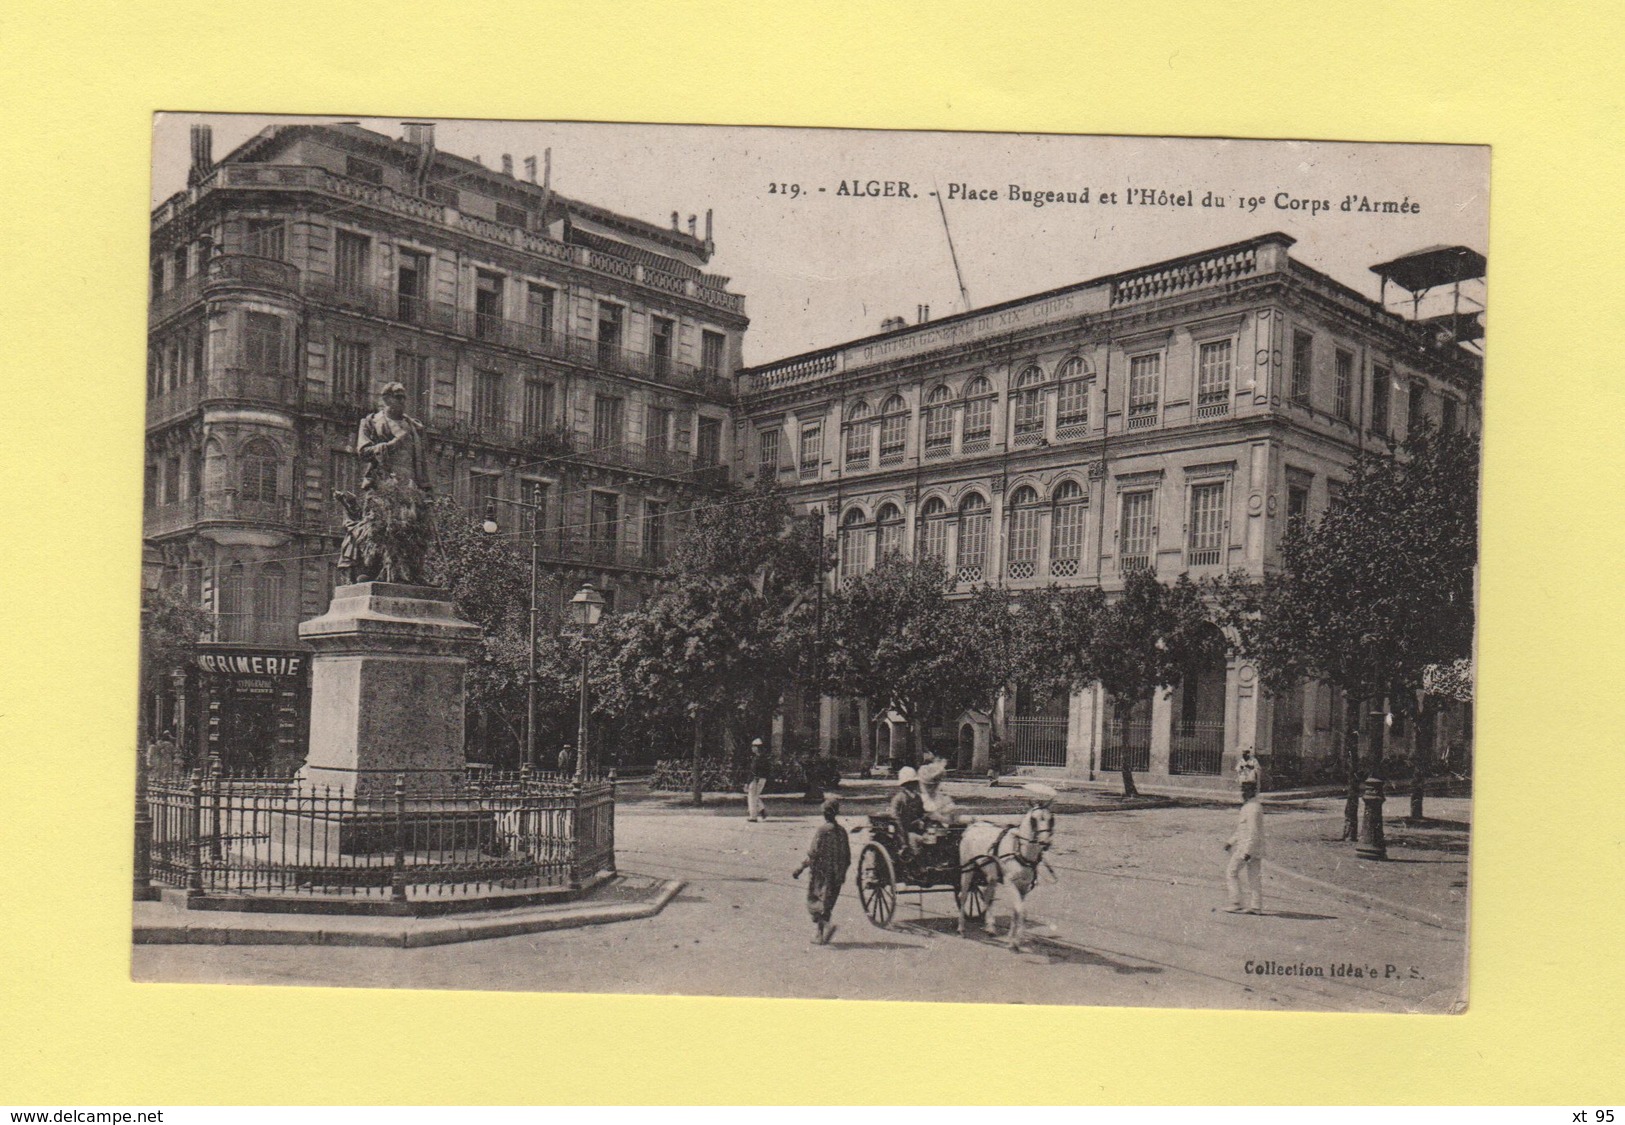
(387, 689)
(1162, 720)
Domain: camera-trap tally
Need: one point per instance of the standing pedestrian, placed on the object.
(1244, 875)
(829, 856)
(760, 767)
(1247, 766)
(567, 760)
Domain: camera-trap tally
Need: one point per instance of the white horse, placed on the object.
(1009, 854)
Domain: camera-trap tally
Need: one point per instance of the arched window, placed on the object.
(1024, 513)
(931, 537)
(893, 430)
(971, 562)
(1066, 529)
(888, 533)
(270, 600)
(939, 422)
(978, 415)
(854, 544)
(1072, 400)
(1029, 388)
(256, 470)
(231, 618)
(859, 436)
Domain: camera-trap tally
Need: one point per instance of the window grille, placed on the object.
(1134, 546)
(1343, 384)
(854, 545)
(1144, 389)
(978, 433)
(1066, 529)
(931, 539)
(1024, 514)
(1303, 353)
(971, 558)
(1213, 379)
(1072, 403)
(1205, 545)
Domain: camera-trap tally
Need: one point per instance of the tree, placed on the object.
(171, 627)
(489, 580)
(1375, 592)
(729, 626)
(1143, 641)
(895, 638)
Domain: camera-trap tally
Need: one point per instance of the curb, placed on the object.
(1387, 906)
(420, 935)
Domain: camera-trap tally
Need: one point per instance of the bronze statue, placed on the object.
(389, 527)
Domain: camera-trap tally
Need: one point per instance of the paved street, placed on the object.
(1131, 920)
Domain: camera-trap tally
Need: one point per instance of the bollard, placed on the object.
(397, 881)
(1372, 844)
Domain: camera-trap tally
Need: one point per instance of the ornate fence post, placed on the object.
(194, 831)
(397, 882)
(609, 814)
(576, 833)
(214, 804)
(142, 888)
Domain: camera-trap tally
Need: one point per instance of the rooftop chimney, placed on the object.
(530, 168)
(676, 222)
(507, 165)
(202, 155)
(708, 224)
(922, 313)
(693, 225)
(417, 132)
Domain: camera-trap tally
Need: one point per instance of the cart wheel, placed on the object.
(877, 887)
(974, 902)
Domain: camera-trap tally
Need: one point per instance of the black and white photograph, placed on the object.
(809, 563)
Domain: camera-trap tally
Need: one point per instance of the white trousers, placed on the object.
(1245, 877)
(754, 807)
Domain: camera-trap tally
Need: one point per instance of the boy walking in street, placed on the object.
(1244, 875)
(829, 856)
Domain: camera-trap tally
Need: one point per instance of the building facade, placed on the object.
(1174, 418)
(556, 352)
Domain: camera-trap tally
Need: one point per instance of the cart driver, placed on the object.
(907, 808)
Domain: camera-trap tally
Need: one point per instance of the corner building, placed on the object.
(556, 351)
(1173, 418)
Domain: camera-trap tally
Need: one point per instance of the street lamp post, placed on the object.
(490, 527)
(585, 610)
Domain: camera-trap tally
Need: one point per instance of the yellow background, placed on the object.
(78, 85)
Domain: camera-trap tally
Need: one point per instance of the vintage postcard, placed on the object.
(810, 563)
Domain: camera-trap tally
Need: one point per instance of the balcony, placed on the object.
(1028, 436)
(248, 385)
(250, 272)
(229, 506)
(976, 443)
(165, 519)
(174, 403)
(295, 177)
(516, 335)
(1142, 419)
(248, 628)
(174, 299)
(1213, 405)
(1203, 556)
(1135, 564)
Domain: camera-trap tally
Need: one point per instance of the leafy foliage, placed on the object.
(896, 638)
(171, 626)
(1382, 586)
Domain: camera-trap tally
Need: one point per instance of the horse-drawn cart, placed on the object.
(887, 865)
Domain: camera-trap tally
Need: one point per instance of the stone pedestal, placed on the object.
(387, 689)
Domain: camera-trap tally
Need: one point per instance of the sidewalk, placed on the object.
(622, 898)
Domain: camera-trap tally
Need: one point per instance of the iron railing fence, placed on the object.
(442, 837)
(1038, 741)
(1130, 740)
(1198, 748)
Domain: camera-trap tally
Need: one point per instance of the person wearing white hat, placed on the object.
(938, 805)
(906, 807)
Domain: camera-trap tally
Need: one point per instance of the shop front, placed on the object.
(253, 707)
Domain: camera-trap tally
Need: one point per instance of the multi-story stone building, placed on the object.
(1174, 418)
(556, 352)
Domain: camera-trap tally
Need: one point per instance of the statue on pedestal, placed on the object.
(388, 529)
